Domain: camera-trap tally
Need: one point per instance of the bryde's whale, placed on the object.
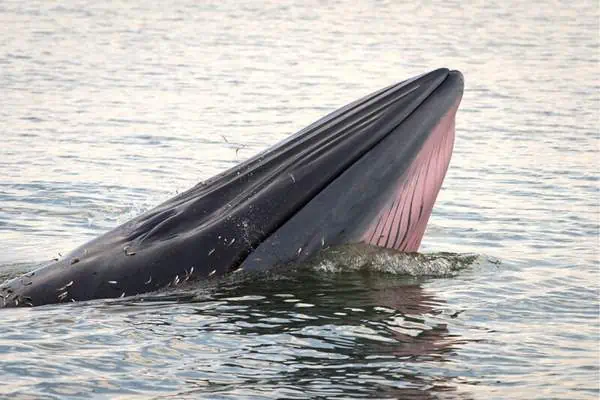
(368, 172)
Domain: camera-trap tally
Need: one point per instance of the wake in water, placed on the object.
(363, 257)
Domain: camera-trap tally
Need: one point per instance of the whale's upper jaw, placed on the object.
(368, 172)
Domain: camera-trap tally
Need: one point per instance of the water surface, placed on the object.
(109, 108)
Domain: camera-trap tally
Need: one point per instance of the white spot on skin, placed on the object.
(214, 271)
(231, 242)
(148, 281)
(122, 295)
(188, 274)
(128, 252)
(299, 250)
(293, 179)
(112, 282)
(211, 251)
(65, 287)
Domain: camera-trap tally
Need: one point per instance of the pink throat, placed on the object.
(402, 222)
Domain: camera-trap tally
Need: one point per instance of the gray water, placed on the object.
(108, 108)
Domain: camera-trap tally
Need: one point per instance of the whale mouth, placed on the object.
(402, 222)
(368, 172)
(386, 195)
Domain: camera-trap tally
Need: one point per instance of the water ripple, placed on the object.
(108, 109)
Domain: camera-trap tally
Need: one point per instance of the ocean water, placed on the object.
(106, 109)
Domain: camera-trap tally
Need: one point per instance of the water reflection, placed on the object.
(333, 335)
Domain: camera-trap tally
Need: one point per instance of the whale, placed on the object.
(369, 172)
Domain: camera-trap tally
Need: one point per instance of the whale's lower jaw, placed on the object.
(402, 221)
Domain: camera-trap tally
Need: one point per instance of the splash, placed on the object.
(363, 257)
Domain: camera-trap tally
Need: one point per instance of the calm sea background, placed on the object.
(108, 108)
